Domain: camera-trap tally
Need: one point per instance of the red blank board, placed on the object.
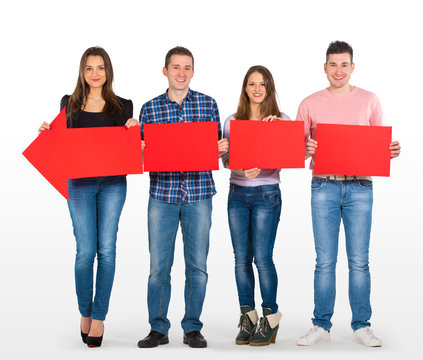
(353, 150)
(266, 145)
(181, 147)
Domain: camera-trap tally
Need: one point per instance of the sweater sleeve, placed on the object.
(303, 115)
(377, 117)
(64, 102)
(128, 110)
(226, 134)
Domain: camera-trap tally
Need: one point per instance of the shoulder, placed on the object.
(228, 120)
(126, 103)
(158, 99)
(312, 100)
(284, 116)
(64, 101)
(366, 94)
(230, 117)
(315, 96)
(202, 97)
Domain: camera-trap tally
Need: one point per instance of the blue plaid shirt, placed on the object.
(185, 186)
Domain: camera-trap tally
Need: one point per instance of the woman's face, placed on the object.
(95, 71)
(255, 89)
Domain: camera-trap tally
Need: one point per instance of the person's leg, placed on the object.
(357, 217)
(163, 222)
(110, 200)
(239, 217)
(266, 210)
(83, 211)
(195, 224)
(326, 217)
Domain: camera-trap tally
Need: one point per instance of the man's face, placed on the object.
(179, 72)
(339, 69)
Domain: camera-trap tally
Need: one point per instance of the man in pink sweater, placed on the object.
(337, 196)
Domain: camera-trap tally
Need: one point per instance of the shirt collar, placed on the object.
(189, 97)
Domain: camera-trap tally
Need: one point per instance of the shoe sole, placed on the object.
(317, 343)
(161, 342)
(358, 341)
(242, 342)
(199, 346)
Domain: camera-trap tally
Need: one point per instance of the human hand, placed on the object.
(395, 148)
(43, 127)
(271, 118)
(223, 146)
(251, 173)
(132, 122)
(310, 147)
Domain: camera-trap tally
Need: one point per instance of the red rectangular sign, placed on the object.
(266, 145)
(181, 146)
(353, 150)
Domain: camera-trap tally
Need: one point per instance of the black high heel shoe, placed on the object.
(84, 337)
(94, 341)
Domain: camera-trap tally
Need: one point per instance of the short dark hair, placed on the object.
(339, 47)
(178, 50)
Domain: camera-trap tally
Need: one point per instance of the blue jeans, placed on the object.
(352, 202)
(163, 223)
(95, 205)
(254, 213)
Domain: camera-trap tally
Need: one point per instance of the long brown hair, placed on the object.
(79, 96)
(269, 106)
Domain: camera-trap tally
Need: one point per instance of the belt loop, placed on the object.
(327, 178)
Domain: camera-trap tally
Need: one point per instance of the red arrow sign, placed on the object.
(60, 154)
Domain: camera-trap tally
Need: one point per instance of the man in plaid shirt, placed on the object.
(184, 197)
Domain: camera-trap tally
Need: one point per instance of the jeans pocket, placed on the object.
(272, 198)
(317, 183)
(365, 184)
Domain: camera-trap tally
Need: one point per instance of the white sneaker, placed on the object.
(366, 337)
(316, 335)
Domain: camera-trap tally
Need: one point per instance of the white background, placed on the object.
(42, 42)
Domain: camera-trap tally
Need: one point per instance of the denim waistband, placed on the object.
(97, 179)
(342, 177)
(254, 189)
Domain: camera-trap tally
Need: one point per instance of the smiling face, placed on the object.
(338, 69)
(256, 88)
(95, 71)
(179, 72)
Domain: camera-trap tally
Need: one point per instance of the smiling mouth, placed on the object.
(180, 80)
(257, 95)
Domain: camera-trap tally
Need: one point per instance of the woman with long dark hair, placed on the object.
(254, 207)
(95, 203)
